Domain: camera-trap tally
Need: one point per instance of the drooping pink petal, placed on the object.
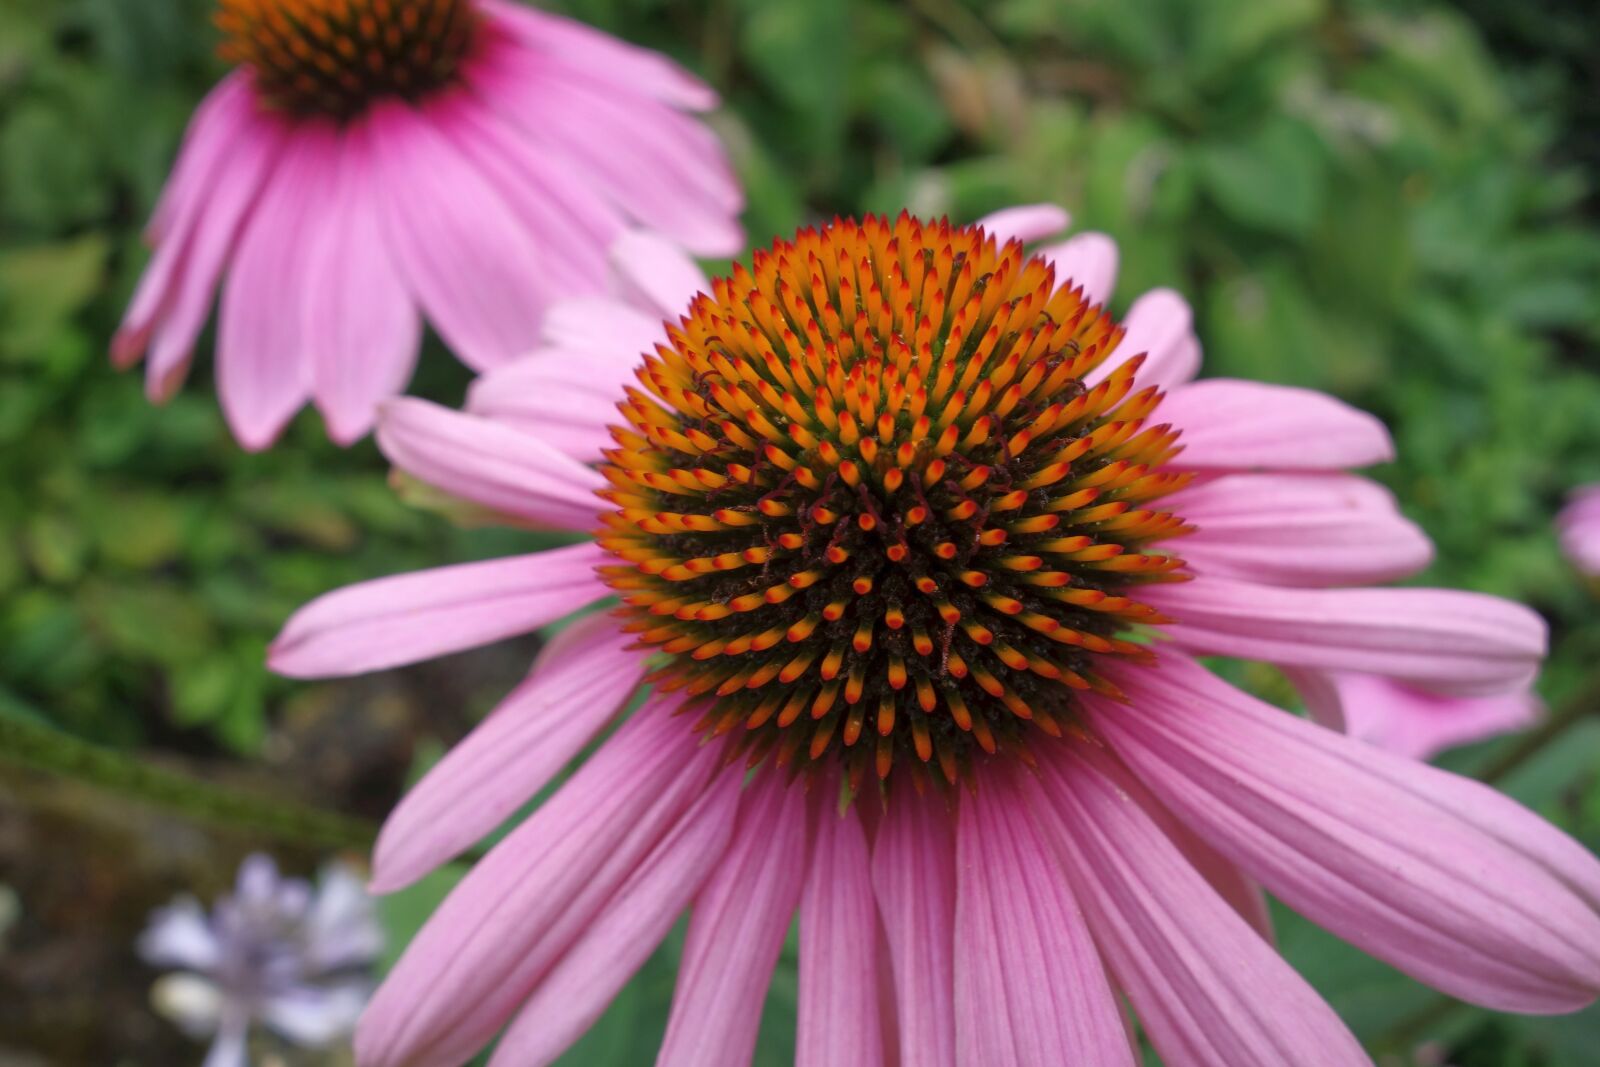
(1440, 876)
(1466, 644)
(263, 369)
(518, 911)
(913, 872)
(1229, 424)
(1207, 989)
(571, 223)
(1029, 984)
(1026, 223)
(409, 617)
(1088, 260)
(1160, 327)
(656, 274)
(583, 49)
(566, 399)
(643, 168)
(212, 175)
(1299, 530)
(839, 1024)
(616, 944)
(579, 682)
(463, 252)
(737, 929)
(482, 461)
(361, 329)
(1413, 722)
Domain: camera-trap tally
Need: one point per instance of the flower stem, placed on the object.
(41, 747)
(1584, 703)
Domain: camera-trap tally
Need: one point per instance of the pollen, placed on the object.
(334, 57)
(869, 508)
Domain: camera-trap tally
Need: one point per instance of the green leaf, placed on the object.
(1274, 179)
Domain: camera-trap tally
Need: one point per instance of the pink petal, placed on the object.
(656, 274)
(1467, 644)
(410, 617)
(263, 369)
(575, 993)
(579, 682)
(1438, 875)
(214, 156)
(360, 328)
(463, 252)
(1027, 223)
(1579, 526)
(586, 50)
(1299, 530)
(913, 871)
(839, 1023)
(534, 896)
(498, 466)
(604, 327)
(1238, 425)
(1160, 327)
(1029, 984)
(737, 929)
(1088, 260)
(646, 165)
(1420, 724)
(567, 399)
(1207, 989)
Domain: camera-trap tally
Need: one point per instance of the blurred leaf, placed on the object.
(1273, 178)
(41, 287)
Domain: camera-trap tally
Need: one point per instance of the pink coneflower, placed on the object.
(1579, 524)
(892, 520)
(470, 160)
(1286, 528)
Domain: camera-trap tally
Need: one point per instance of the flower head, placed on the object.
(899, 517)
(274, 951)
(369, 159)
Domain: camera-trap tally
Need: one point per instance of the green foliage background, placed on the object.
(1358, 196)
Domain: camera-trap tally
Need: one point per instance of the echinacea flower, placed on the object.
(1579, 524)
(276, 951)
(893, 520)
(369, 158)
(1294, 530)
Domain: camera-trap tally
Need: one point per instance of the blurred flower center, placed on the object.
(334, 57)
(870, 509)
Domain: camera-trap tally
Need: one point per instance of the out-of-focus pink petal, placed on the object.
(1579, 525)
(482, 461)
(1207, 989)
(1299, 530)
(1159, 327)
(1440, 876)
(1088, 260)
(212, 177)
(1230, 424)
(179, 935)
(616, 944)
(1026, 223)
(1029, 984)
(580, 680)
(263, 369)
(662, 181)
(361, 329)
(1466, 644)
(737, 929)
(567, 399)
(604, 327)
(656, 274)
(463, 252)
(534, 896)
(839, 1024)
(585, 50)
(409, 617)
(1416, 723)
(913, 871)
